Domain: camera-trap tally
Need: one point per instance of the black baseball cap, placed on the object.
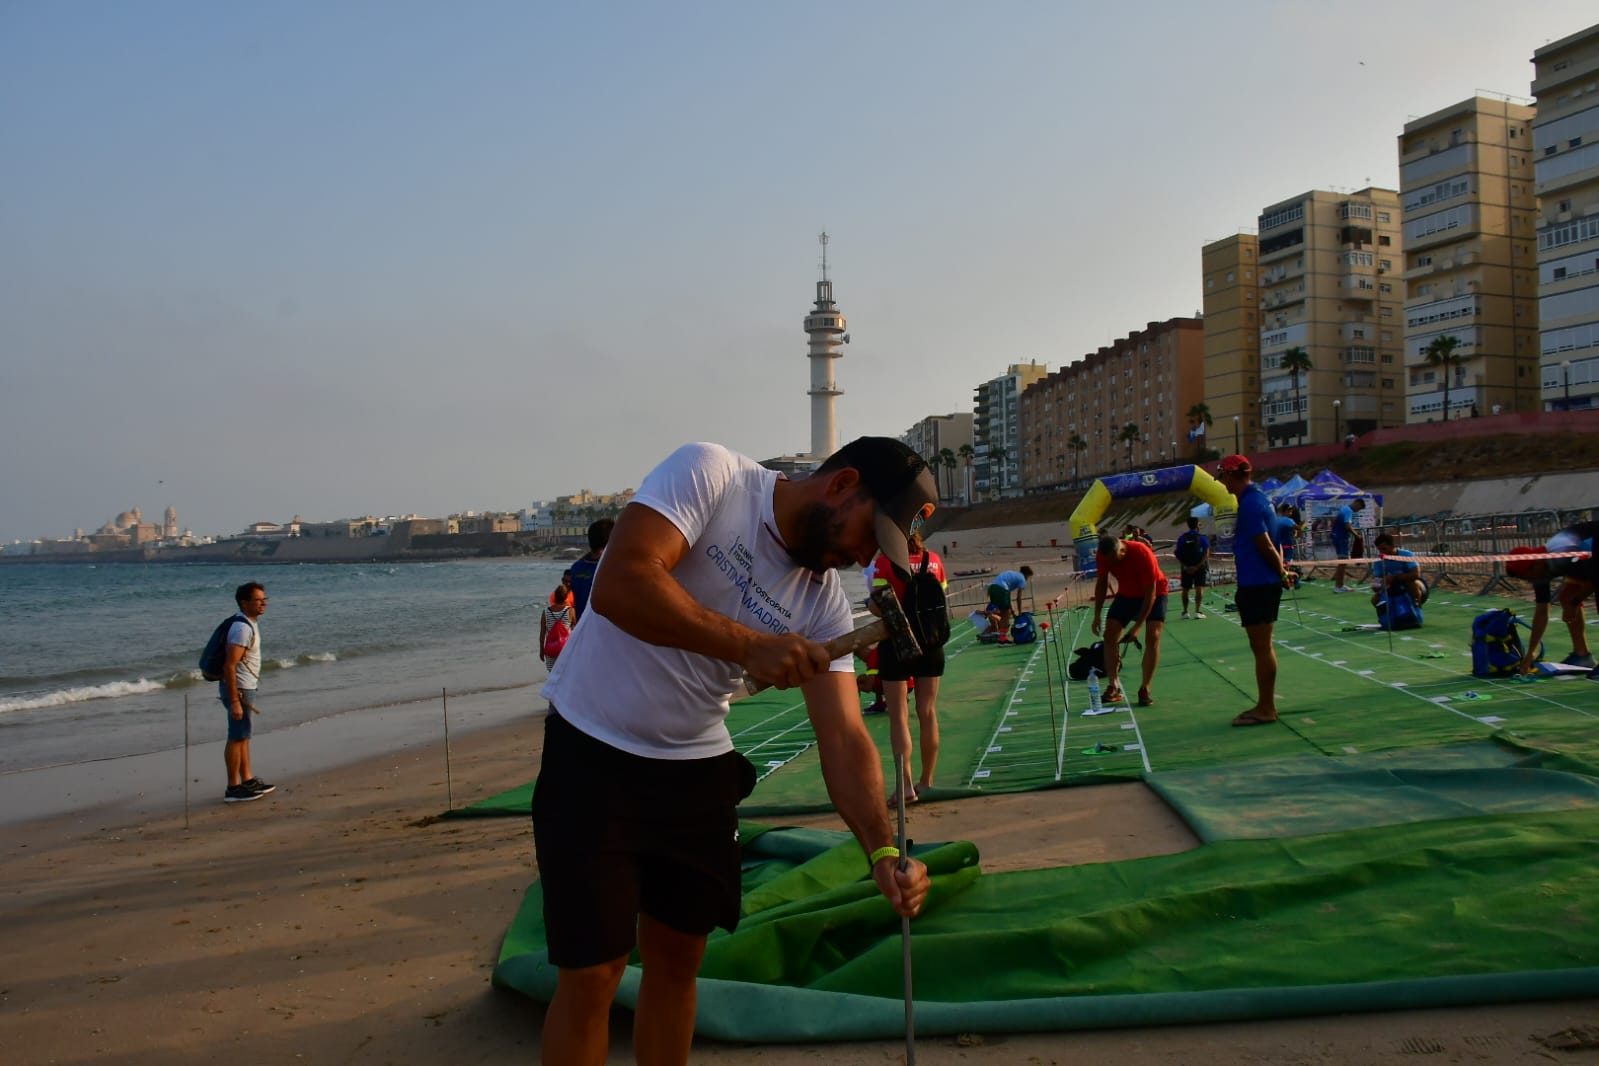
(901, 487)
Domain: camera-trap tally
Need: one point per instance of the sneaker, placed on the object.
(240, 794)
(1185, 615)
(877, 708)
(1578, 660)
(258, 786)
(1342, 588)
(1199, 614)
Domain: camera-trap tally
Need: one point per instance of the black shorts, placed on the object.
(1124, 609)
(1257, 604)
(617, 835)
(1197, 580)
(891, 667)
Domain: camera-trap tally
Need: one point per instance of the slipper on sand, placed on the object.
(1253, 718)
(910, 797)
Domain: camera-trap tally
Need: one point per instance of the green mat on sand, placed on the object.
(1397, 840)
(1466, 911)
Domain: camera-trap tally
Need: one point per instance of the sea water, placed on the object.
(96, 660)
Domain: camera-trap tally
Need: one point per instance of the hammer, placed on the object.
(890, 625)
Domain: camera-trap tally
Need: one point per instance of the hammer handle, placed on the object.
(848, 644)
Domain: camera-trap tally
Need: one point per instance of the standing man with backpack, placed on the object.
(921, 594)
(1193, 555)
(241, 676)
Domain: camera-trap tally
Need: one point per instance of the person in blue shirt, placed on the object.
(1391, 574)
(1008, 585)
(1287, 523)
(1346, 540)
(1262, 576)
(1193, 555)
(582, 572)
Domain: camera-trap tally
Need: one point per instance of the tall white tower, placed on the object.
(825, 325)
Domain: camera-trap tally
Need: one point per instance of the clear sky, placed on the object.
(338, 258)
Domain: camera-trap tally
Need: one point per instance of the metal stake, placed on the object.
(449, 785)
(904, 920)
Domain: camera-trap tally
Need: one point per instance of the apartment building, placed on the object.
(1232, 340)
(996, 437)
(1329, 288)
(931, 437)
(1466, 194)
(1565, 139)
(1075, 421)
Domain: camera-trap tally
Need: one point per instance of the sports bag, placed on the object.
(556, 634)
(214, 657)
(1089, 659)
(1496, 648)
(1022, 630)
(925, 606)
(1397, 610)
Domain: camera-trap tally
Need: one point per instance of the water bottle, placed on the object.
(1093, 692)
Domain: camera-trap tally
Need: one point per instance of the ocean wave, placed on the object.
(66, 696)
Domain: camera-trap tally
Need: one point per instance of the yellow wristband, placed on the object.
(887, 851)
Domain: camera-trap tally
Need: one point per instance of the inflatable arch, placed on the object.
(1192, 479)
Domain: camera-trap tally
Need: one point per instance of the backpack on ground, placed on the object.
(1397, 610)
(925, 606)
(214, 658)
(556, 634)
(1496, 648)
(1089, 659)
(1022, 629)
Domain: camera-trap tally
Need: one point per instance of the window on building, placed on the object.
(1382, 216)
(1575, 142)
(1383, 240)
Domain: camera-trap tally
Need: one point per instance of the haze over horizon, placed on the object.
(339, 259)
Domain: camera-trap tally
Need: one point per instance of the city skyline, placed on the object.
(326, 259)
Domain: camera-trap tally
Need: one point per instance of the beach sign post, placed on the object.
(449, 786)
(185, 762)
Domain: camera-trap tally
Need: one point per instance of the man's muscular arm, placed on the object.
(635, 589)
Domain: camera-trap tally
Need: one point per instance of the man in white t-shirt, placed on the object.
(717, 568)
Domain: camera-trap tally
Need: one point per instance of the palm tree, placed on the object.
(996, 462)
(1129, 436)
(1199, 414)
(947, 457)
(1441, 352)
(1295, 360)
(967, 454)
(1078, 445)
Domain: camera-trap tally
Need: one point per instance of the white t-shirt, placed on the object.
(245, 635)
(668, 703)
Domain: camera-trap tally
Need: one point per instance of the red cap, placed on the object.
(1523, 568)
(1234, 464)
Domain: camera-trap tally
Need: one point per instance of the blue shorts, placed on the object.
(238, 728)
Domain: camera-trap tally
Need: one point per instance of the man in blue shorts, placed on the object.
(719, 568)
(1346, 540)
(1005, 594)
(241, 675)
(1262, 576)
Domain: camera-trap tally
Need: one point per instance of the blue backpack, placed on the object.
(1398, 610)
(1022, 630)
(1496, 648)
(214, 657)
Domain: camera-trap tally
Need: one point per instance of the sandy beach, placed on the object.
(337, 921)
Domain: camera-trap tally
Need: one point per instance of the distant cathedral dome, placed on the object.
(126, 520)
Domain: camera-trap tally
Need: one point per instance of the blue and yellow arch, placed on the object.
(1191, 479)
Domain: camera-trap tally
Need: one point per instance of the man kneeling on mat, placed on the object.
(1397, 572)
(1141, 591)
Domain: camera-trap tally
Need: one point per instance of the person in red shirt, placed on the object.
(1140, 601)
(897, 674)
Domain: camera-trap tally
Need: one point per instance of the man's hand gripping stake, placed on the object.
(891, 625)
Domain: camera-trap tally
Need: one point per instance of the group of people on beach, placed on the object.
(721, 571)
